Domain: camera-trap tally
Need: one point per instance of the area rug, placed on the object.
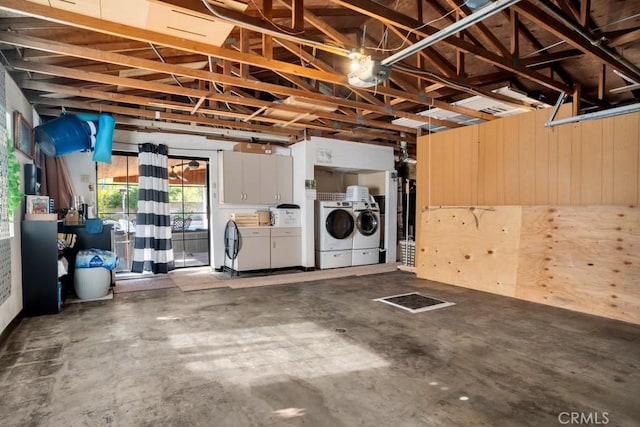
(208, 280)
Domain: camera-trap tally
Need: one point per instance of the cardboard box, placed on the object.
(251, 147)
(285, 217)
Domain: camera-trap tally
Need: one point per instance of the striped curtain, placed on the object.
(153, 251)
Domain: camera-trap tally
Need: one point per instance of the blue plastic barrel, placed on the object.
(64, 135)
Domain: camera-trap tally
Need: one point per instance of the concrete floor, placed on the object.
(318, 354)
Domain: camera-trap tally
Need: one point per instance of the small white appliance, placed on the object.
(285, 217)
(366, 238)
(335, 227)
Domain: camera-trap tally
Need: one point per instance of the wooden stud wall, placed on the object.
(580, 258)
(517, 161)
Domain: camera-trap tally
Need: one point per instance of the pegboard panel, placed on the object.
(474, 247)
(5, 270)
(582, 258)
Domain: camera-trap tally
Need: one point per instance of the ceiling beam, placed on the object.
(392, 17)
(549, 17)
(196, 93)
(112, 28)
(156, 66)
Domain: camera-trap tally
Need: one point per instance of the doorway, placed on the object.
(117, 198)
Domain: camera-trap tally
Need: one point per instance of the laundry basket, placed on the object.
(357, 193)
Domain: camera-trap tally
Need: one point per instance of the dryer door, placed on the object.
(339, 224)
(367, 223)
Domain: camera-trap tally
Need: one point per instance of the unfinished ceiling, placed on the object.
(277, 70)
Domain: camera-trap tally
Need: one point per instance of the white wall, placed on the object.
(350, 155)
(343, 156)
(307, 154)
(12, 306)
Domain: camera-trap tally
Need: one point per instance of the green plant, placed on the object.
(15, 195)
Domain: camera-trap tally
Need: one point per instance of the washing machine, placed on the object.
(366, 237)
(335, 227)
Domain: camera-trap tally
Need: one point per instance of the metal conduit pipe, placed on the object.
(626, 109)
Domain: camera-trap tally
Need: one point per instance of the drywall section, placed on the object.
(350, 155)
(15, 100)
(352, 160)
(518, 161)
(578, 258)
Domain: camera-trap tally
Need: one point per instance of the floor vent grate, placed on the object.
(414, 302)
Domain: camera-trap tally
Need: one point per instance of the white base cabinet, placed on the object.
(285, 247)
(263, 248)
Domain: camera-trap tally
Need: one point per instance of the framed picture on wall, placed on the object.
(23, 135)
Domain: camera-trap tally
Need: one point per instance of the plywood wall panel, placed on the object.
(576, 165)
(565, 156)
(448, 172)
(591, 163)
(527, 160)
(579, 258)
(475, 143)
(511, 160)
(436, 166)
(465, 153)
(608, 148)
(517, 161)
(471, 247)
(553, 166)
(542, 160)
(489, 165)
(625, 160)
(582, 259)
(422, 173)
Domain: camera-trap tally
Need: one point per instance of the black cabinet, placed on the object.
(84, 240)
(40, 293)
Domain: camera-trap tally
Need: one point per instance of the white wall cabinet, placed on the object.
(240, 178)
(248, 178)
(276, 179)
(262, 248)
